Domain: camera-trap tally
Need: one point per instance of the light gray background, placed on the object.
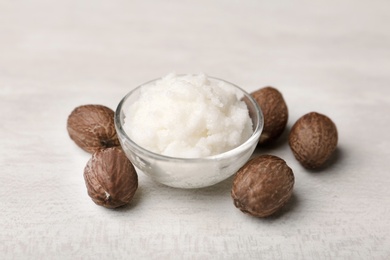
(327, 56)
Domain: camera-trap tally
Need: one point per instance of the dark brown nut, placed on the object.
(262, 186)
(110, 178)
(92, 127)
(275, 113)
(313, 139)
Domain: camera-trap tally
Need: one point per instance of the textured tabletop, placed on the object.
(332, 57)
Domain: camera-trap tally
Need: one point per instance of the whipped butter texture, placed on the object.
(188, 116)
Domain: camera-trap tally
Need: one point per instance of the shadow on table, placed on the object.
(291, 206)
(281, 141)
(133, 203)
(335, 160)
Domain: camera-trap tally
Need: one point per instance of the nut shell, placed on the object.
(275, 113)
(313, 140)
(92, 127)
(262, 186)
(110, 178)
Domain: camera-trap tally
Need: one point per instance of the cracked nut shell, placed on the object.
(92, 127)
(110, 178)
(275, 113)
(262, 186)
(313, 140)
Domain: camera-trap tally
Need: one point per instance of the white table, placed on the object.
(331, 57)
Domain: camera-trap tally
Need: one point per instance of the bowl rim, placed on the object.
(253, 139)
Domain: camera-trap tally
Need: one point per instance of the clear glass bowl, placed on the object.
(190, 172)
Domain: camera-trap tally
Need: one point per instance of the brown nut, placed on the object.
(262, 186)
(110, 178)
(313, 139)
(275, 113)
(92, 127)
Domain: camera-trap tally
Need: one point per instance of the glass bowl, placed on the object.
(190, 172)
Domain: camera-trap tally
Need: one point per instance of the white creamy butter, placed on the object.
(188, 116)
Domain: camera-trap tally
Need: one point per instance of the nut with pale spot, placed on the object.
(111, 178)
(262, 186)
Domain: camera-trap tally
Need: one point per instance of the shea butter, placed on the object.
(188, 116)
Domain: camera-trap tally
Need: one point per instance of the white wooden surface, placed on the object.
(327, 56)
